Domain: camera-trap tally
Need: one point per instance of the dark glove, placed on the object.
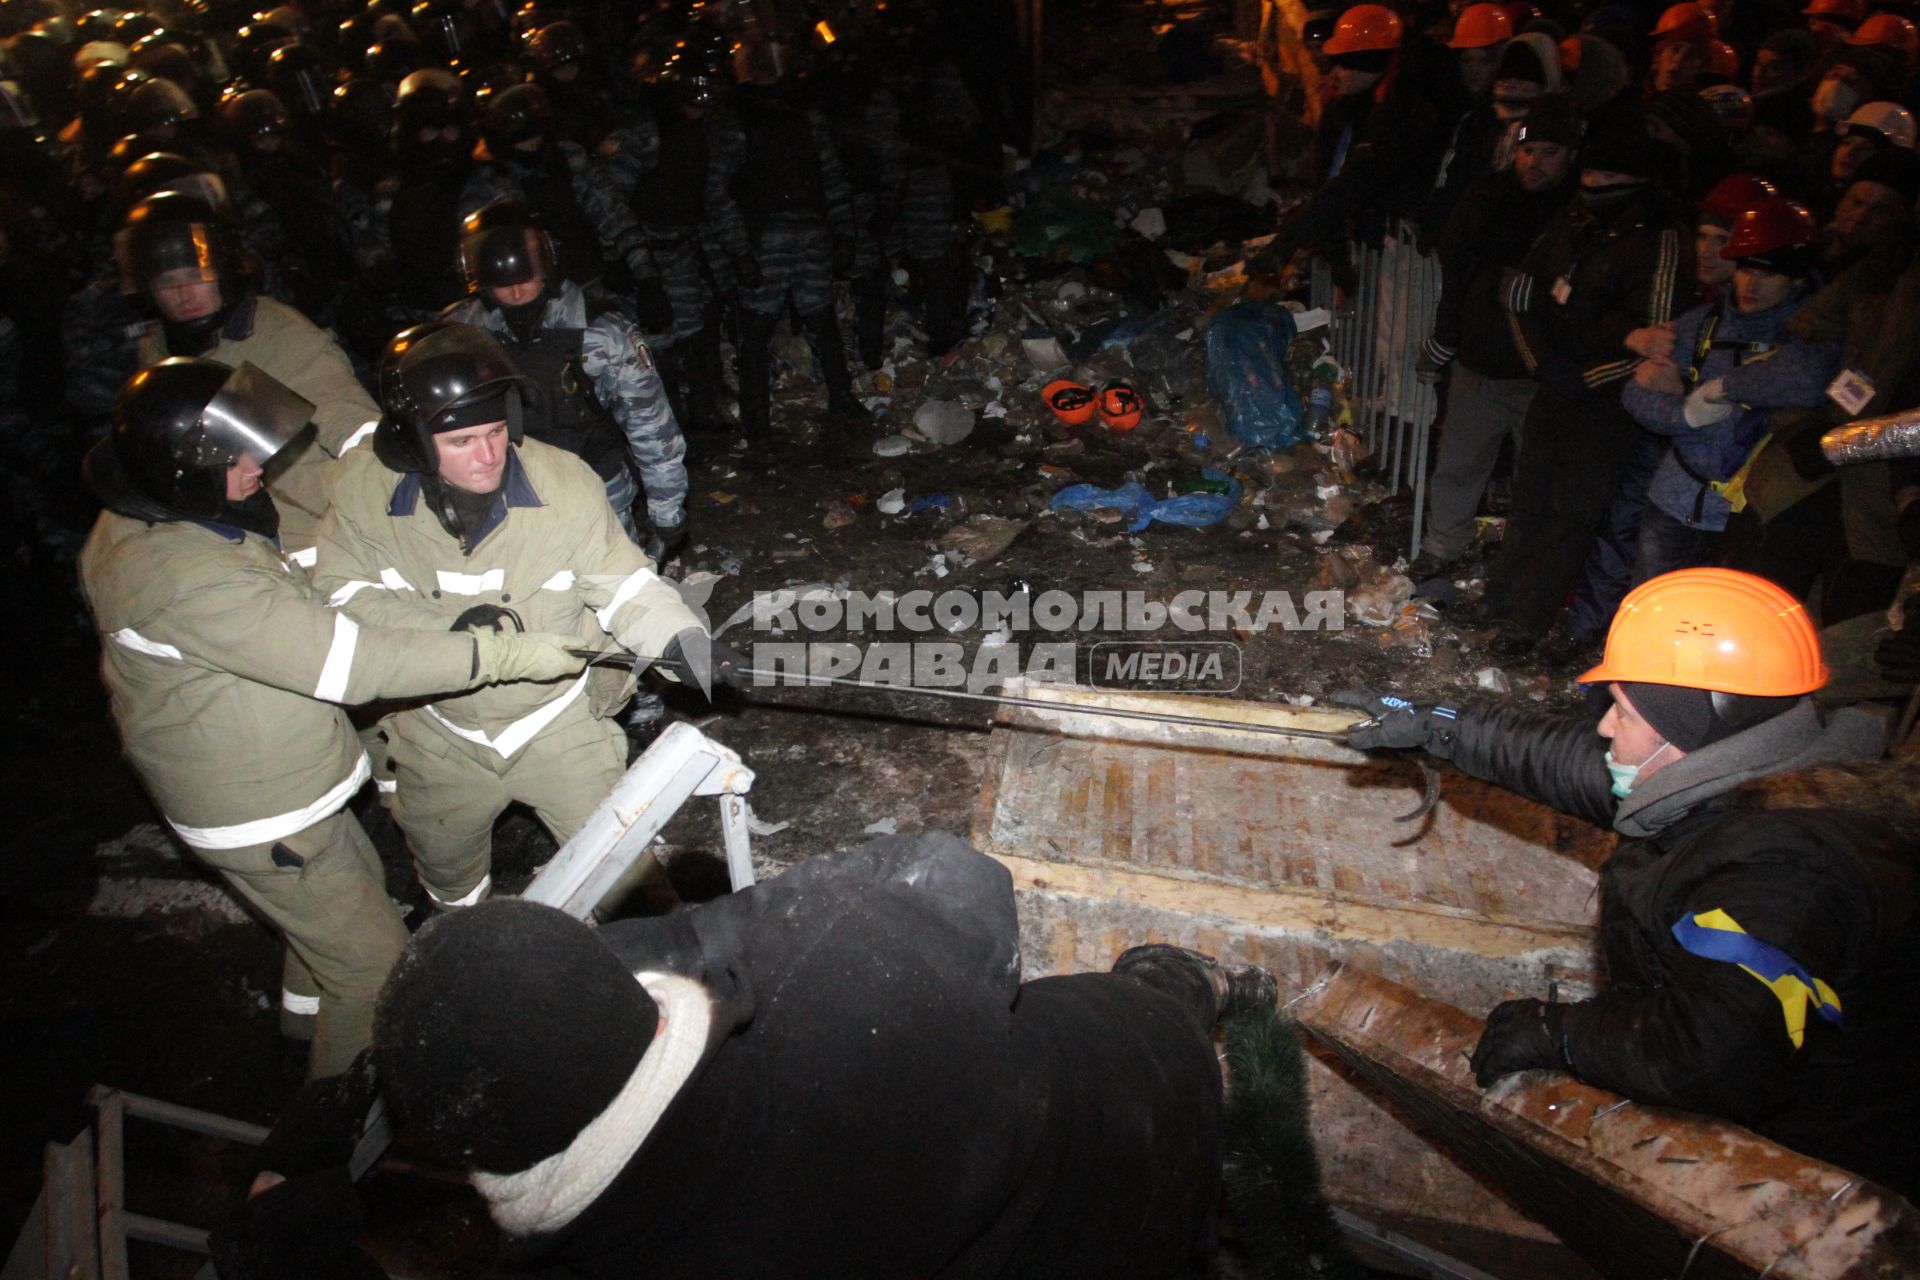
(842, 254)
(1806, 455)
(1432, 359)
(665, 541)
(1399, 723)
(305, 1226)
(1898, 656)
(746, 269)
(487, 617)
(696, 658)
(1521, 1035)
(652, 308)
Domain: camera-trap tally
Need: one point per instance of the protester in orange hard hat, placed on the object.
(1759, 919)
(1380, 137)
(1891, 32)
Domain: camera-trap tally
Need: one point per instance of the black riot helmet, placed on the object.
(17, 113)
(445, 29)
(513, 115)
(17, 16)
(430, 98)
(253, 118)
(360, 114)
(101, 97)
(158, 171)
(442, 376)
(178, 426)
(556, 45)
(391, 60)
(174, 231)
(157, 107)
(503, 244)
(302, 76)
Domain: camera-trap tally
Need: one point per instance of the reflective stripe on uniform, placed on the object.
(280, 826)
(298, 1005)
(521, 731)
(465, 900)
(471, 584)
(561, 581)
(360, 433)
(131, 639)
(338, 668)
(390, 580)
(305, 557)
(632, 585)
(1715, 935)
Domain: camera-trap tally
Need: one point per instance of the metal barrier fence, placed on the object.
(1375, 334)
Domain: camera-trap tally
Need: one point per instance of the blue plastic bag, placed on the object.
(1247, 373)
(1196, 510)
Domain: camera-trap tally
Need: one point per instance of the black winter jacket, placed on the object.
(1814, 861)
(1588, 281)
(1491, 227)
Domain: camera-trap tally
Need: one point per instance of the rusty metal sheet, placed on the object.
(1637, 1191)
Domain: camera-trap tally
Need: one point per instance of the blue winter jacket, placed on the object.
(1762, 368)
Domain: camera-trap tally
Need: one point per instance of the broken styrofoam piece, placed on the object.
(1151, 223)
(892, 446)
(1493, 679)
(884, 827)
(944, 421)
(892, 502)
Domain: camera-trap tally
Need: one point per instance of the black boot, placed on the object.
(756, 373)
(870, 317)
(823, 334)
(671, 364)
(1220, 990)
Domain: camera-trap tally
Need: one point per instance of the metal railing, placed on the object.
(1375, 334)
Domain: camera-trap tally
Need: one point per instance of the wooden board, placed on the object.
(1637, 1191)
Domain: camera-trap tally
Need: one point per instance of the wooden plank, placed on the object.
(1637, 1191)
(109, 1127)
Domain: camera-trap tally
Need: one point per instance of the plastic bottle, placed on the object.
(1326, 374)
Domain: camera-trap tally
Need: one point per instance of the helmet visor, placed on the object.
(252, 415)
(147, 252)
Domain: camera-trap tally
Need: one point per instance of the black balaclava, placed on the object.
(255, 514)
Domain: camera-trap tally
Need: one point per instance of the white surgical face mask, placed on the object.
(1625, 774)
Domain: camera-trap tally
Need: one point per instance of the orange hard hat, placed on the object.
(1686, 21)
(1715, 629)
(1723, 59)
(1365, 28)
(1481, 25)
(1848, 12)
(1889, 30)
(1072, 402)
(1570, 54)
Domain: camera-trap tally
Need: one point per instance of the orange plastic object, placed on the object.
(1715, 629)
(1120, 407)
(1365, 28)
(1481, 25)
(1890, 31)
(1686, 21)
(1071, 402)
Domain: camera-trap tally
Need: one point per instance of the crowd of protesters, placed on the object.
(1674, 247)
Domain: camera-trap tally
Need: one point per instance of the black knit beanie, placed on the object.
(479, 411)
(1688, 718)
(504, 1029)
(1620, 146)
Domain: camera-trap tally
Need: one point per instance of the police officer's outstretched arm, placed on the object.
(1552, 759)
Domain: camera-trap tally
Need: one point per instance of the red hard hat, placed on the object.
(1889, 31)
(1847, 12)
(1686, 21)
(1736, 193)
(1365, 28)
(1773, 224)
(1481, 25)
(1723, 60)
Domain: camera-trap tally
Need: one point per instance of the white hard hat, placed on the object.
(1888, 119)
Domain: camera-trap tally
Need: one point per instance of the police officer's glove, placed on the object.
(305, 1226)
(666, 540)
(696, 658)
(1898, 656)
(652, 308)
(1521, 1035)
(488, 617)
(503, 656)
(1806, 455)
(1432, 359)
(1396, 722)
(843, 250)
(1516, 291)
(746, 269)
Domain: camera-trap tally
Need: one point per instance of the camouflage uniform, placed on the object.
(597, 386)
(577, 205)
(941, 123)
(865, 118)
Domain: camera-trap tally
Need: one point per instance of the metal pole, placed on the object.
(111, 1189)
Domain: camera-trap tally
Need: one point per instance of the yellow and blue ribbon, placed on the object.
(1715, 935)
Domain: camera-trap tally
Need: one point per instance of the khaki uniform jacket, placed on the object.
(223, 665)
(286, 344)
(554, 553)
